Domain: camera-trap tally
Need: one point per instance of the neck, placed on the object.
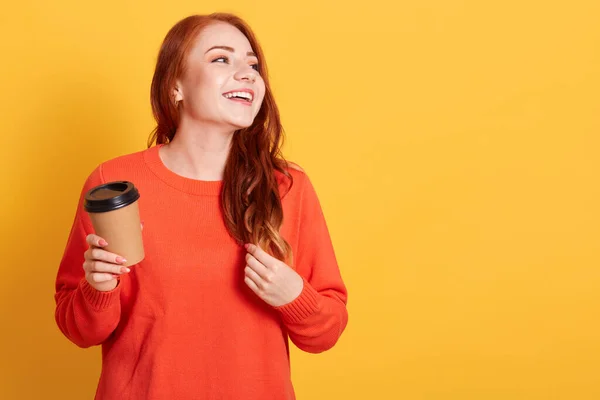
(198, 151)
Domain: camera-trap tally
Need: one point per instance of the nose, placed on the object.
(246, 73)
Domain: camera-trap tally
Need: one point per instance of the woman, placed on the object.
(238, 255)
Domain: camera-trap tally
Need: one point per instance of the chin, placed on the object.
(241, 123)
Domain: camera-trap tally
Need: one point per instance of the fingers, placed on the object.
(261, 255)
(94, 253)
(95, 240)
(93, 266)
(101, 277)
(101, 265)
(102, 268)
(252, 285)
(254, 278)
(258, 268)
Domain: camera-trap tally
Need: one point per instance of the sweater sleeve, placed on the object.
(84, 315)
(317, 317)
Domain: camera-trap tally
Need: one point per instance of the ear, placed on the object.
(177, 93)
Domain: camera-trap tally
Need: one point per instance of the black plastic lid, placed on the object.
(110, 196)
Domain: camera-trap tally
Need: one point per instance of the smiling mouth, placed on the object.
(243, 97)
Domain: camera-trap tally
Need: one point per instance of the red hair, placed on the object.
(250, 199)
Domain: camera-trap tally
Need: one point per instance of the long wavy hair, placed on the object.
(250, 198)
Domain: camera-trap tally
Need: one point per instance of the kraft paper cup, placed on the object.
(113, 209)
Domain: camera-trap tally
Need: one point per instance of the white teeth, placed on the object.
(244, 95)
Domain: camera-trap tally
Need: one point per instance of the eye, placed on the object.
(255, 67)
(225, 59)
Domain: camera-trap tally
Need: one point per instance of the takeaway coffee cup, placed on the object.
(113, 209)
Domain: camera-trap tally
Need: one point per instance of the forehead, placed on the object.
(222, 34)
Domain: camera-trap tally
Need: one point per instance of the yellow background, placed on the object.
(454, 146)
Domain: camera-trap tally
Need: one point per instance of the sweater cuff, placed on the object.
(97, 299)
(303, 306)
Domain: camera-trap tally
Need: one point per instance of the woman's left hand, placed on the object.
(271, 279)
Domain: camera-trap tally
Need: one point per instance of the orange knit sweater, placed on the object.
(183, 324)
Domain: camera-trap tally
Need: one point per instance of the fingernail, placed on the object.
(102, 242)
(121, 260)
(125, 270)
(246, 246)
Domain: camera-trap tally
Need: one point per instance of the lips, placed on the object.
(245, 96)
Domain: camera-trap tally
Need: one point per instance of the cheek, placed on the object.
(202, 89)
(261, 91)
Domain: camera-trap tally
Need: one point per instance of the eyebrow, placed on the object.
(230, 49)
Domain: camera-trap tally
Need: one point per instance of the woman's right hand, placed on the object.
(101, 267)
